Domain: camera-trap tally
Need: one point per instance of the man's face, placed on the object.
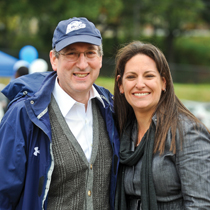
(76, 77)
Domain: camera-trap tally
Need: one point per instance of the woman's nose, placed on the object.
(140, 83)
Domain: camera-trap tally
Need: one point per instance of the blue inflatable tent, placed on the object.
(6, 64)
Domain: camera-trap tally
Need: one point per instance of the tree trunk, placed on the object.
(136, 19)
(170, 47)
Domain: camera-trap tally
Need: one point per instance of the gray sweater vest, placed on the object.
(76, 183)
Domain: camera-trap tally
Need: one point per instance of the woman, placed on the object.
(164, 149)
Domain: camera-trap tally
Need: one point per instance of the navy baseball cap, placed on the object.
(75, 30)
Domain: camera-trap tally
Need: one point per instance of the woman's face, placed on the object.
(142, 84)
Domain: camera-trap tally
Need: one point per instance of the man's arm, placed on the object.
(12, 162)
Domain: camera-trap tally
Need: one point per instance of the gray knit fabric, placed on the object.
(74, 185)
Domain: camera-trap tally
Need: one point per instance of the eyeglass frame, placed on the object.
(99, 52)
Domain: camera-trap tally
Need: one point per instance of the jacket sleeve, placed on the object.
(193, 162)
(12, 162)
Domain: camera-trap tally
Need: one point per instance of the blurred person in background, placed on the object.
(164, 149)
(23, 70)
(59, 146)
(4, 101)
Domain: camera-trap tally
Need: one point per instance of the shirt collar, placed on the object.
(94, 94)
(62, 98)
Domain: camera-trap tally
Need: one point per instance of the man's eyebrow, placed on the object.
(70, 48)
(91, 47)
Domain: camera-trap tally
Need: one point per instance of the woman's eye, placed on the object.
(150, 75)
(130, 77)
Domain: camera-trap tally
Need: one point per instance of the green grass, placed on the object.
(194, 92)
(106, 82)
(4, 80)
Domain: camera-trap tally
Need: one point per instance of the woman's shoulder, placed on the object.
(188, 122)
(192, 130)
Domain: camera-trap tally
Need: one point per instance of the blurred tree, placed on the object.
(172, 17)
(131, 19)
(206, 11)
(127, 18)
(48, 14)
(175, 18)
(9, 13)
(102, 13)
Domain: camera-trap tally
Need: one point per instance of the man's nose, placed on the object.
(82, 62)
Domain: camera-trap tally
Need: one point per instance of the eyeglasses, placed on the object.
(74, 55)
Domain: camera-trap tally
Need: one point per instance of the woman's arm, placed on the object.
(193, 163)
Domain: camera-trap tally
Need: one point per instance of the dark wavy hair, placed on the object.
(169, 106)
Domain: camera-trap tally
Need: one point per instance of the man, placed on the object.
(58, 142)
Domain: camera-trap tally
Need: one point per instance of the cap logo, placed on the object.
(75, 25)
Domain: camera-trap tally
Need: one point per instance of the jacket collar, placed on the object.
(25, 85)
(37, 88)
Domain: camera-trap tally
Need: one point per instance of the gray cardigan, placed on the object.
(182, 180)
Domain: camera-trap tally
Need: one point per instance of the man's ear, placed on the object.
(53, 60)
(100, 61)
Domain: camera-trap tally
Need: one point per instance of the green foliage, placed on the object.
(126, 19)
(112, 45)
(188, 50)
(165, 14)
(48, 14)
(193, 50)
(206, 13)
(192, 57)
(171, 17)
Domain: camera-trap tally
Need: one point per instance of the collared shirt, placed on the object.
(79, 120)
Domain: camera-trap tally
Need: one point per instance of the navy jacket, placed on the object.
(25, 142)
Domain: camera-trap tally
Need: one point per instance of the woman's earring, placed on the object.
(164, 90)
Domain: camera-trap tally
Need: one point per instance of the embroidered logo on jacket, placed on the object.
(36, 151)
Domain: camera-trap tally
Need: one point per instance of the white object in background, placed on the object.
(19, 64)
(200, 109)
(38, 65)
